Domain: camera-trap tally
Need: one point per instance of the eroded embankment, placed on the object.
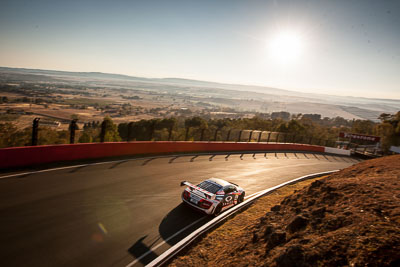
(349, 218)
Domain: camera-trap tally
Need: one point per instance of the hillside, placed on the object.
(350, 218)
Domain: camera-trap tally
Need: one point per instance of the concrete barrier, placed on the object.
(337, 151)
(36, 155)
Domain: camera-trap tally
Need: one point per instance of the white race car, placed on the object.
(212, 196)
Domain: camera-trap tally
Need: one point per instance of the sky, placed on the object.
(338, 47)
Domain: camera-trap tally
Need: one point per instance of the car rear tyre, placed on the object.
(241, 198)
(218, 210)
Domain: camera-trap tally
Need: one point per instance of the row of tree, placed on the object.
(198, 128)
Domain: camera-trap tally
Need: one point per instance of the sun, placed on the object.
(285, 47)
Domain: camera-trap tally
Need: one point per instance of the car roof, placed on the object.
(219, 181)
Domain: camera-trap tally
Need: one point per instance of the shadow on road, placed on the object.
(117, 164)
(140, 248)
(177, 224)
(78, 169)
(176, 220)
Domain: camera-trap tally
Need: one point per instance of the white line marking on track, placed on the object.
(165, 241)
(172, 236)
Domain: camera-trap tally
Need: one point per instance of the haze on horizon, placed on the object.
(330, 47)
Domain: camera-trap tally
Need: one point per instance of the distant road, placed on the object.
(110, 214)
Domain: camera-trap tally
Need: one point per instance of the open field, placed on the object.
(92, 96)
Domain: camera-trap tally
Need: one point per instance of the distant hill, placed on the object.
(275, 98)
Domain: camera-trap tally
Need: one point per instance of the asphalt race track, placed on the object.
(111, 214)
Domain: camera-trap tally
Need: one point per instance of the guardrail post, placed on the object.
(269, 135)
(72, 128)
(250, 136)
(35, 129)
(228, 135)
(240, 135)
(103, 131)
(259, 137)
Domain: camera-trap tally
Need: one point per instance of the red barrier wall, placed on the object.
(28, 156)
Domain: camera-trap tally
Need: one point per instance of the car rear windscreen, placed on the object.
(210, 187)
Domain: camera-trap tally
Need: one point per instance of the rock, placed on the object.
(293, 256)
(320, 212)
(316, 184)
(255, 238)
(268, 231)
(275, 239)
(276, 208)
(298, 223)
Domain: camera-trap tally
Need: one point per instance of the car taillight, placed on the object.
(205, 204)
(186, 195)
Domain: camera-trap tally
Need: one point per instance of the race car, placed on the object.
(212, 196)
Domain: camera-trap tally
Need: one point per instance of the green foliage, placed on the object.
(301, 128)
(11, 137)
(111, 133)
(389, 130)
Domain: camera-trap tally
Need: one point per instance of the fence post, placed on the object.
(259, 137)
(310, 140)
(269, 135)
(229, 135)
(202, 134)
(215, 135)
(103, 131)
(35, 129)
(170, 133)
(240, 135)
(187, 133)
(152, 129)
(250, 136)
(277, 138)
(72, 128)
(128, 137)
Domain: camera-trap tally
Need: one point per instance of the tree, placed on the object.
(111, 131)
(219, 124)
(167, 124)
(194, 122)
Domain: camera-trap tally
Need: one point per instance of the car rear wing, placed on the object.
(195, 187)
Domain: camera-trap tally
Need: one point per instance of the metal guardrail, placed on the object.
(174, 250)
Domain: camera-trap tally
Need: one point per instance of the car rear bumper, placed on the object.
(208, 211)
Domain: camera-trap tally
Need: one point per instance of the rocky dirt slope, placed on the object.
(350, 218)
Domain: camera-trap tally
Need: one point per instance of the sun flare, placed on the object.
(285, 47)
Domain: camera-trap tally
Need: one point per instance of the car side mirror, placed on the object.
(183, 183)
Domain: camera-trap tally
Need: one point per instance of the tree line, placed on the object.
(310, 127)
